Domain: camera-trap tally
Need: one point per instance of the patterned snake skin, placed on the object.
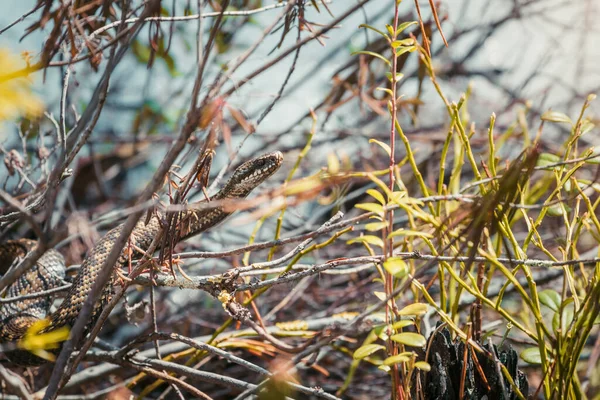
(17, 317)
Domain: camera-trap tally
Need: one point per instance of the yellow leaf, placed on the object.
(372, 207)
(410, 339)
(423, 366)
(414, 309)
(370, 239)
(407, 232)
(396, 267)
(16, 96)
(399, 358)
(380, 295)
(397, 197)
(303, 185)
(402, 324)
(384, 146)
(367, 350)
(375, 226)
(555, 116)
(388, 91)
(37, 342)
(333, 163)
(378, 196)
(381, 185)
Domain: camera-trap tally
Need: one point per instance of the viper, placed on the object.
(16, 318)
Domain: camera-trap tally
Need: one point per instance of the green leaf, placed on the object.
(303, 185)
(555, 210)
(547, 159)
(372, 207)
(586, 183)
(402, 324)
(405, 25)
(380, 184)
(396, 267)
(380, 295)
(595, 160)
(407, 232)
(531, 355)
(586, 126)
(410, 339)
(370, 239)
(399, 76)
(555, 116)
(408, 49)
(372, 54)
(397, 359)
(140, 51)
(423, 366)
(550, 299)
(390, 29)
(404, 42)
(415, 309)
(381, 332)
(373, 29)
(375, 226)
(565, 321)
(366, 350)
(398, 197)
(388, 91)
(378, 196)
(384, 146)
(170, 64)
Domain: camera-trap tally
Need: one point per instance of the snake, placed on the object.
(17, 318)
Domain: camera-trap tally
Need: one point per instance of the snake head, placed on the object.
(252, 173)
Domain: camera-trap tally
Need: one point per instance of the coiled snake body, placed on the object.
(16, 318)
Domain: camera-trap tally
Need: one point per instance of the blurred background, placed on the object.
(515, 59)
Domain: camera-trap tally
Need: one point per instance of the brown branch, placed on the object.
(293, 48)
